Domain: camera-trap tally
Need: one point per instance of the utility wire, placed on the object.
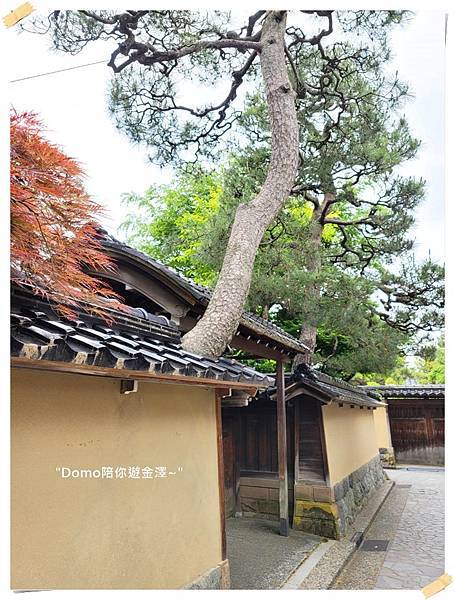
(59, 71)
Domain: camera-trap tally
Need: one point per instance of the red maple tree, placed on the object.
(54, 239)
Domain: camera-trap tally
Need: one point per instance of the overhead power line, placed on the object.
(59, 71)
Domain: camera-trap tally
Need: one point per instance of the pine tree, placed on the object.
(156, 52)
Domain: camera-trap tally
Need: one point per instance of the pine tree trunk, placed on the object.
(312, 292)
(220, 321)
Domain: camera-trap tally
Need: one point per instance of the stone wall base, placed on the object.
(217, 578)
(353, 492)
(319, 518)
(258, 515)
(259, 497)
(331, 518)
(387, 458)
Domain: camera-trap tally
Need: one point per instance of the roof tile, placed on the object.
(136, 343)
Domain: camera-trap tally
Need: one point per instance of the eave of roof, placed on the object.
(129, 347)
(202, 295)
(408, 391)
(308, 381)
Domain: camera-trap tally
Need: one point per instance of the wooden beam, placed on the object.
(325, 460)
(236, 432)
(282, 449)
(297, 390)
(296, 442)
(123, 257)
(148, 287)
(219, 438)
(62, 367)
(388, 424)
(240, 342)
(258, 350)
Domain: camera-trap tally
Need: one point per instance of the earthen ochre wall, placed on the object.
(112, 533)
(350, 438)
(381, 425)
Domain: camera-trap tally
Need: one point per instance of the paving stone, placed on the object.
(412, 517)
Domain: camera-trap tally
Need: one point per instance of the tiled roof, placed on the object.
(202, 295)
(408, 391)
(149, 345)
(306, 379)
(335, 389)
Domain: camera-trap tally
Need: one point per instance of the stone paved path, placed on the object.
(416, 555)
(412, 519)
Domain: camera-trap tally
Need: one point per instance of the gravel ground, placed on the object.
(259, 557)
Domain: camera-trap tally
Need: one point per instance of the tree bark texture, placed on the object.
(220, 321)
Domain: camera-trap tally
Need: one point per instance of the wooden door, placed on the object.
(417, 430)
(309, 441)
(258, 447)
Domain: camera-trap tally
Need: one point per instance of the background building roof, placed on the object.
(307, 381)
(391, 392)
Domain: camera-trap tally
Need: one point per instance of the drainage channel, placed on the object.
(421, 468)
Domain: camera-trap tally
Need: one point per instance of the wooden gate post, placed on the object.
(219, 432)
(282, 448)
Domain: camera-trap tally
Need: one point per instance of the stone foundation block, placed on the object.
(319, 518)
(315, 510)
(352, 493)
(334, 509)
(260, 506)
(388, 460)
(217, 578)
(323, 527)
(304, 491)
(254, 492)
(323, 494)
(270, 507)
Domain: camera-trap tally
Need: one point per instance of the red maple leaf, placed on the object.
(54, 228)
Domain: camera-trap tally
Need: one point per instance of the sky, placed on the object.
(73, 106)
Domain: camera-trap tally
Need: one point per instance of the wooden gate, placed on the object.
(417, 429)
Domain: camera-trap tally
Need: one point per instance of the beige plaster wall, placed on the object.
(382, 428)
(350, 439)
(111, 533)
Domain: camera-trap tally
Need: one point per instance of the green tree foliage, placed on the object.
(169, 222)
(412, 298)
(432, 363)
(400, 374)
(181, 225)
(429, 367)
(329, 250)
(158, 55)
(352, 138)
